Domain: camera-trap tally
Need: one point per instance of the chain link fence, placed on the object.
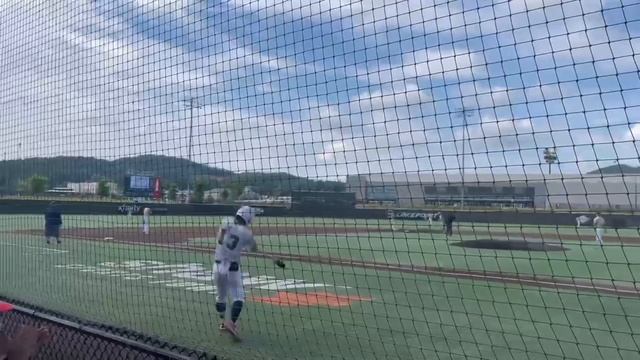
(75, 339)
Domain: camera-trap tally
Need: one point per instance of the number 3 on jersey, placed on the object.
(231, 242)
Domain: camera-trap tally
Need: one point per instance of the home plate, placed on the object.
(108, 238)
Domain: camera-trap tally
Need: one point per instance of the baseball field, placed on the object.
(352, 289)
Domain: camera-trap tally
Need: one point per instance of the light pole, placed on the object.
(464, 113)
(192, 103)
(6, 178)
(21, 164)
(635, 182)
(550, 156)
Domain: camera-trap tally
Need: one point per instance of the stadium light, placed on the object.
(20, 157)
(191, 103)
(550, 156)
(635, 181)
(464, 113)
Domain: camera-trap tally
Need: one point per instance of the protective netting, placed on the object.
(442, 179)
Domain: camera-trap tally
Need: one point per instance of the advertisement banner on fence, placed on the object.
(413, 215)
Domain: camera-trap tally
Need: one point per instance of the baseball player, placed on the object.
(52, 223)
(582, 220)
(146, 219)
(433, 217)
(391, 216)
(598, 225)
(234, 236)
(447, 221)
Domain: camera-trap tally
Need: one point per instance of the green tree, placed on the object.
(103, 188)
(224, 195)
(22, 186)
(37, 184)
(198, 192)
(236, 189)
(172, 195)
(61, 170)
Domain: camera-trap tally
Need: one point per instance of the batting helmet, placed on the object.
(247, 213)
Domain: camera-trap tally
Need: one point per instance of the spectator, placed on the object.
(25, 345)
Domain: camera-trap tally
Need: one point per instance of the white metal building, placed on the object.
(561, 191)
(91, 187)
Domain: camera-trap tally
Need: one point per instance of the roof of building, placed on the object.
(442, 177)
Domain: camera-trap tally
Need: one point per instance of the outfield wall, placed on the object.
(498, 217)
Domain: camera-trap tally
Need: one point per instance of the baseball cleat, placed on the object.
(231, 328)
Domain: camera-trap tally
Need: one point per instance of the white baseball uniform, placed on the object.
(146, 218)
(226, 269)
(599, 223)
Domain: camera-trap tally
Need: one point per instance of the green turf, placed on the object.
(580, 260)
(410, 316)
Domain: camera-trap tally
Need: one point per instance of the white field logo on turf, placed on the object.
(191, 276)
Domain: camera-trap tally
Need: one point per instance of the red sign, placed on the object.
(5, 307)
(157, 189)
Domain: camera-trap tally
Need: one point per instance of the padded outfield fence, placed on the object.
(359, 130)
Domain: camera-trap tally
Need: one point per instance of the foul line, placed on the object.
(56, 251)
(545, 282)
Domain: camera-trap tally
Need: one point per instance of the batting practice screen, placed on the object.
(320, 179)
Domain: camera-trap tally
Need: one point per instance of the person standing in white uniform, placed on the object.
(146, 220)
(234, 236)
(598, 225)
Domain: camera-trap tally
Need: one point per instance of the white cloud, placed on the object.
(633, 134)
(95, 86)
(143, 63)
(237, 56)
(370, 17)
(111, 48)
(65, 93)
(161, 5)
(517, 6)
(324, 10)
(335, 151)
(452, 63)
(392, 100)
(104, 93)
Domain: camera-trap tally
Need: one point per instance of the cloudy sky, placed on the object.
(324, 88)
